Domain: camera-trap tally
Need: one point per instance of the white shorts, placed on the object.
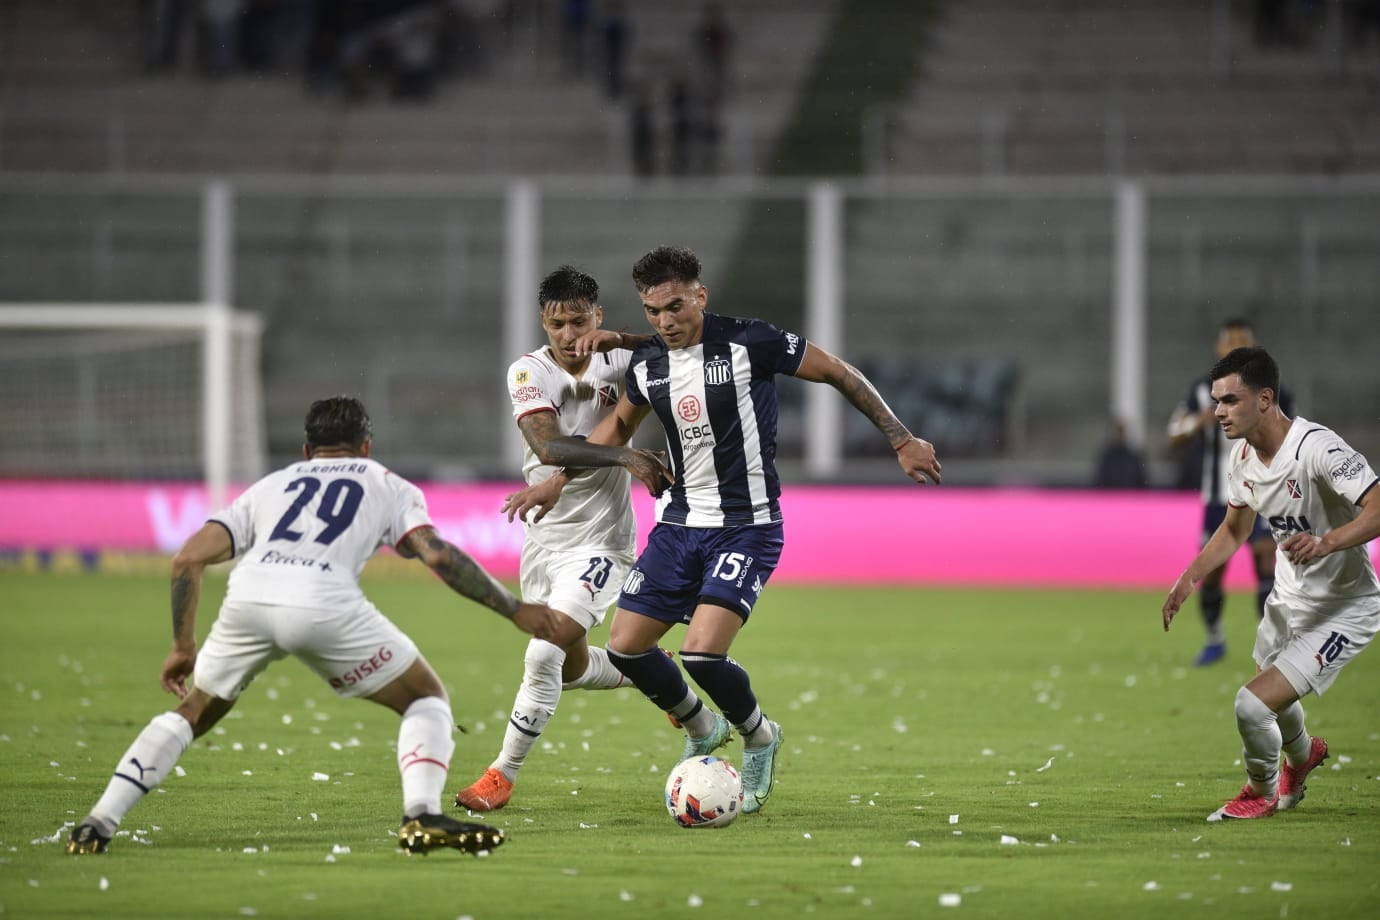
(358, 650)
(582, 584)
(1310, 647)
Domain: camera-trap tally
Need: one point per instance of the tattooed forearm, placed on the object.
(578, 453)
(859, 391)
(186, 590)
(465, 577)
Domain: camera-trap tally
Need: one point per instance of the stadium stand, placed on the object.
(1080, 87)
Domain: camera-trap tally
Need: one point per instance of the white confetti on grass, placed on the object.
(1150, 886)
(1008, 840)
(855, 861)
(695, 901)
(320, 777)
(953, 819)
(1048, 763)
(950, 899)
(104, 883)
(1281, 886)
(625, 895)
(912, 843)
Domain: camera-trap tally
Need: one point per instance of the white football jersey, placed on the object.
(1312, 485)
(303, 533)
(595, 510)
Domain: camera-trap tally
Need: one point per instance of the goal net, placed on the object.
(129, 391)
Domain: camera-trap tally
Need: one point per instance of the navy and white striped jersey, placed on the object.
(717, 402)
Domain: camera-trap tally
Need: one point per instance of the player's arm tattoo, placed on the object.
(186, 591)
(540, 429)
(859, 391)
(464, 576)
(578, 453)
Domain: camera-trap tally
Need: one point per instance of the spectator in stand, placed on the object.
(615, 41)
(575, 35)
(162, 32)
(642, 132)
(1120, 465)
(219, 29)
(682, 119)
(715, 44)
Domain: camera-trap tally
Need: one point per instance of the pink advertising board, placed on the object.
(889, 535)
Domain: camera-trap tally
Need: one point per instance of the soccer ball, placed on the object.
(704, 792)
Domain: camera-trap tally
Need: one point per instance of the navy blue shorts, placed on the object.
(1214, 515)
(682, 565)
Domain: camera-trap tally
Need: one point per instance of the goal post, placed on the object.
(132, 391)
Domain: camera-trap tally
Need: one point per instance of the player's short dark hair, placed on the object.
(1257, 369)
(567, 284)
(339, 420)
(666, 263)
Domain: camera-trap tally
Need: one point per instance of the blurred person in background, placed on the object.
(1192, 419)
(1119, 465)
(1320, 500)
(302, 535)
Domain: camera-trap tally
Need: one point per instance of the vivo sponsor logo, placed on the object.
(658, 381)
(487, 535)
(173, 521)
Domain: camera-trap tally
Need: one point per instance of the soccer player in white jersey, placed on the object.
(718, 537)
(576, 555)
(302, 535)
(1319, 497)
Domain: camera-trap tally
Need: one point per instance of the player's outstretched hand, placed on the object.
(536, 620)
(542, 496)
(649, 467)
(1177, 595)
(598, 340)
(177, 667)
(917, 458)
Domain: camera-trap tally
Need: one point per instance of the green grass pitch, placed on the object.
(923, 728)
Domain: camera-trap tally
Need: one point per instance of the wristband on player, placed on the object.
(909, 438)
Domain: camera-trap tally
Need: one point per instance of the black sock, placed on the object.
(1211, 600)
(726, 683)
(654, 674)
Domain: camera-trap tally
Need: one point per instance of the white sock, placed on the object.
(150, 758)
(698, 725)
(1260, 741)
(756, 731)
(425, 746)
(1297, 742)
(534, 705)
(600, 675)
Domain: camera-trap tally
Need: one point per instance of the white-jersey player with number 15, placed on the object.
(302, 535)
(1320, 499)
(576, 555)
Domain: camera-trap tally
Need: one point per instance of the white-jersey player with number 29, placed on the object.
(576, 554)
(302, 536)
(1319, 497)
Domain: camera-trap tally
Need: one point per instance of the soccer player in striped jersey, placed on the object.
(1193, 418)
(302, 535)
(1320, 499)
(575, 557)
(711, 381)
